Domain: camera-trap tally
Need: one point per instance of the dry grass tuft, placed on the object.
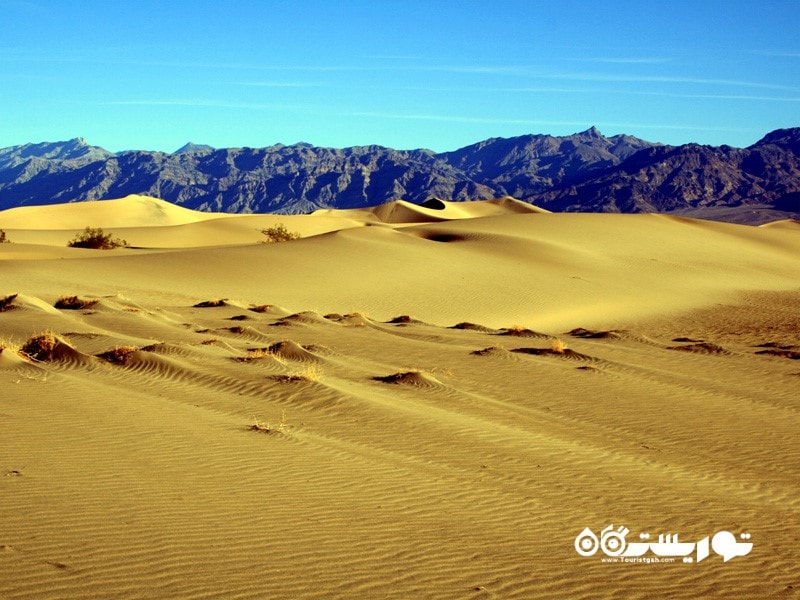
(75, 303)
(259, 353)
(40, 347)
(10, 345)
(520, 331)
(404, 320)
(491, 350)
(310, 372)
(253, 353)
(211, 303)
(119, 355)
(7, 303)
(96, 239)
(278, 233)
(261, 308)
(266, 427)
(557, 346)
(414, 377)
(466, 325)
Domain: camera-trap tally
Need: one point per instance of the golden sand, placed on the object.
(407, 402)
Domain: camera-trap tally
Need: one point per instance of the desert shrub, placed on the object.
(4, 238)
(261, 308)
(74, 303)
(211, 303)
(279, 233)
(119, 355)
(310, 372)
(40, 347)
(254, 354)
(7, 302)
(96, 239)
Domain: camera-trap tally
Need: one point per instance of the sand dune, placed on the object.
(434, 210)
(131, 211)
(406, 402)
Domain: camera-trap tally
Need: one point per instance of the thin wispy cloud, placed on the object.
(609, 77)
(557, 90)
(203, 103)
(502, 121)
(726, 97)
(395, 57)
(532, 72)
(779, 53)
(619, 60)
(278, 84)
(459, 119)
(570, 90)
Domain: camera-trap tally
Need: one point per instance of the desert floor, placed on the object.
(407, 402)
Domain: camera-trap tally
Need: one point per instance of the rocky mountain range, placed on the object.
(582, 172)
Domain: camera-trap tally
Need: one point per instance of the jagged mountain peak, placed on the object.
(592, 132)
(191, 147)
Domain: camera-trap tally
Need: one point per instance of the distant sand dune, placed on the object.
(131, 211)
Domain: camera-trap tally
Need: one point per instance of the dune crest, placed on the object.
(435, 210)
(131, 211)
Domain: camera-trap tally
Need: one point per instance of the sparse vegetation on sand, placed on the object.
(414, 377)
(119, 355)
(40, 347)
(219, 302)
(4, 238)
(466, 325)
(278, 233)
(557, 346)
(75, 303)
(520, 331)
(10, 345)
(261, 308)
(310, 372)
(266, 427)
(355, 319)
(490, 351)
(96, 239)
(7, 302)
(259, 353)
(405, 320)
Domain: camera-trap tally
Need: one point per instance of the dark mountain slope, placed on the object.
(663, 179)
(582, 172)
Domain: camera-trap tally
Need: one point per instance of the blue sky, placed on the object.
(437, 74)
